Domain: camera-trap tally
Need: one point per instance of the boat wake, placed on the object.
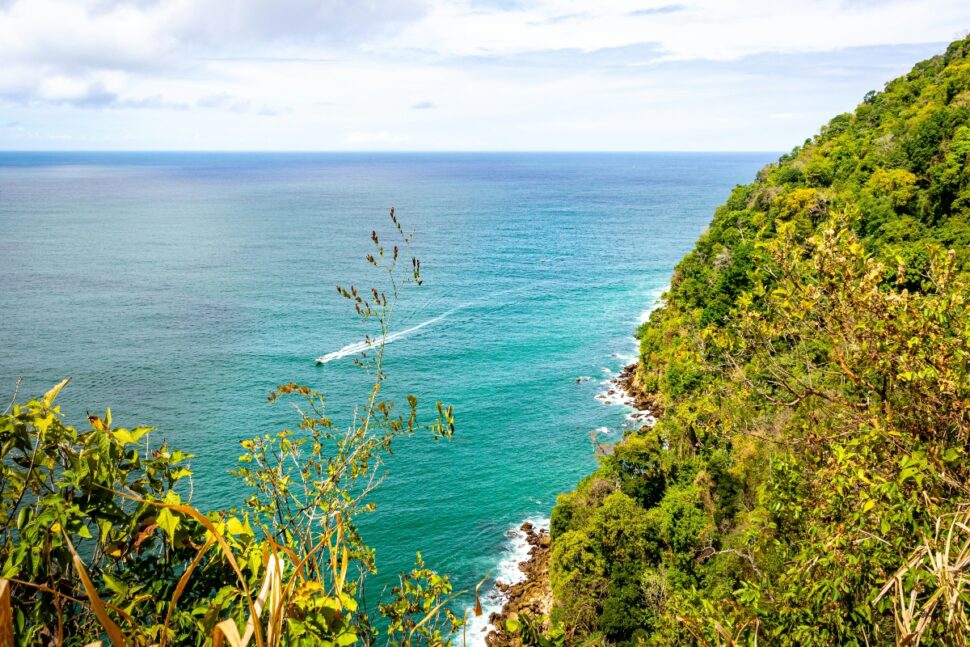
(368, 344)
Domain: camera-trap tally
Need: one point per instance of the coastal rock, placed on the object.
(641, 400)
(532, 596)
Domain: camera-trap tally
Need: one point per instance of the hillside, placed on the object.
(807, 482)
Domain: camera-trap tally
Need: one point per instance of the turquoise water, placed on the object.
(180, 288)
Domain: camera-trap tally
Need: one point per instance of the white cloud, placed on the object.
(543, 74)
(381, 137)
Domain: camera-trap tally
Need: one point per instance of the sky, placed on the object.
(441, 75)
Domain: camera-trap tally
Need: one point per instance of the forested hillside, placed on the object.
(807, 481)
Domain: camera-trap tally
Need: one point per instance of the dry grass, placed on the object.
(932, 589)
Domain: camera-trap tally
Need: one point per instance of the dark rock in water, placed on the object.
(526, 527)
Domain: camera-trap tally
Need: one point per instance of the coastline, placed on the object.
(532, 596)
(648, 409)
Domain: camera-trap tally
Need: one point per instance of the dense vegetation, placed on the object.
(99, 540)
(808, 481)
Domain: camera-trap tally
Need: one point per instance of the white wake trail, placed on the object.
(361, 346)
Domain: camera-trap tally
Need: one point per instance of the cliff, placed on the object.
(811, 364)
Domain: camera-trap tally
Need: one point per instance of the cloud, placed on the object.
(166, 35)
(634, 54)
(256, 22)
(518, 73)
(552, 20)
(381, 137)
(656, 11)
(234, 104)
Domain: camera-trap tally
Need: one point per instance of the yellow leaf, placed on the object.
(48, 398)
(226, 630)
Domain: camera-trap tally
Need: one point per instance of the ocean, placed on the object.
(179, 289)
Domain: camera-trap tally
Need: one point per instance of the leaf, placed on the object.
(48, 398)
(168, 522)
(109, 626)
(142, 536)
(478, 601)
(125, 436)
(115, 584)
(226, 630)
(180, 587)
(346, 639)
(235, 526)
(6, 615)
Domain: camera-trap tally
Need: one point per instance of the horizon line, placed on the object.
(388, 151)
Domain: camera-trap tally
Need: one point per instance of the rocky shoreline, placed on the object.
(639, 399)
(532, 596)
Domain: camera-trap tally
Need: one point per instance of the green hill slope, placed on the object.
(807, 481)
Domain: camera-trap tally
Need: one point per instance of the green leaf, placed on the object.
(115, 585)
(168, 522)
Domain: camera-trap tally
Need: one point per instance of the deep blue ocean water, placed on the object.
(178, 289)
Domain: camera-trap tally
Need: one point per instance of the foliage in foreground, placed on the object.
(808, 482)
(97, 541)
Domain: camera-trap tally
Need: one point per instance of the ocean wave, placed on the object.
(616, 395)
(640, 418)
(657, 301)
(515, 552)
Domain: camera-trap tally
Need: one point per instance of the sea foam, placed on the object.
(515, 552)
(656, 296)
